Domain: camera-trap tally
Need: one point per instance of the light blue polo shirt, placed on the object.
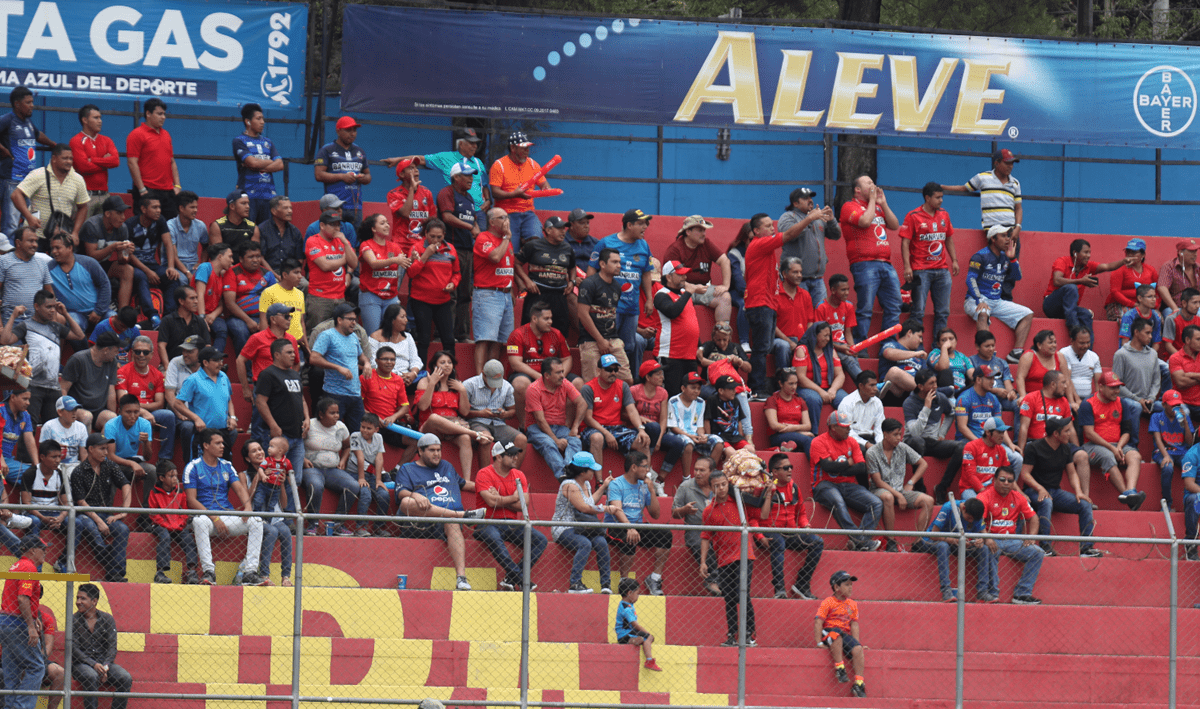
(127, 438)
(343, 350)
(208, 399)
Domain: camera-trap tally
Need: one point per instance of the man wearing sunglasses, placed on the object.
(148, 384)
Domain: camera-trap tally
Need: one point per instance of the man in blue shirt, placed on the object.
(986, 274)
(975, 406)
(632, 494)
(342, 167)
(634, 277)
(431, 487)
(18, 138)
(1002, 386)
(130, 435)
(151, 257)
(1173, 434)
(256, 159)
(207, 481)
(1191, 498)
(338, 349)
(205, 401)
(18, 428)
(971, 513)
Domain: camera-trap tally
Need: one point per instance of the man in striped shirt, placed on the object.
(999, 200)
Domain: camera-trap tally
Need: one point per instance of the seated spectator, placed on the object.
(393, 333)
(148, 385)
(22, 275)
(497, 490)
(433, 278)
(886, 463)
(976, 407)
(901, 357)
(385, 395)
(1041, 358)
(838, 311)
(178, 370)
(241, 288)
(630, 498)
(1187, 315)
(491, 403)
(865, 410)
(442, 408)
(726, 563)
(1133, 272)
(1106, 435)
(205, 401)
(261, 471)
(151, 257)
(430, 487)
(17, 426)
(781, 507)
(708, 268)
(1083, 364)
(208, 282)
(577, 503)
(188, 235)
(280, 239)
(547, 268)
(1046, 460)
(129, 448)
(787, 414)
(928, 415)
(326, 452)
(819, 372)
(989, 268)
(687, 433)
(970, 512)
(606, 400)
(207, 481)
(124, 326)
(1002, 380)
(168, 494)
(340, 351)
(724, 418)
(43, 334)
(94, 650)
(691, 497)
(42, 487)
(553, 427)
(90, 378)
(93, 483)
(795, 309)
(1185, 370)
(65, 431)
(1178, 273)
(528, 345)
(286, 292)
(181, 323)
(108, 228)
(1003, 506)
(55, 674)
(953, 367)
(836, 463)
(86, 292)
(1040, 406)
(234, 227)
(330, 255)
(650, 398)
(721, 347)
(1137, 365)
(1173, 434)
(366, 464)
(1070, 276)
(1145, 310)
(599, 295)
(383, 263)
(982, 457)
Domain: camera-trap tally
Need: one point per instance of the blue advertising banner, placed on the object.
(506, 65)
(183, 51)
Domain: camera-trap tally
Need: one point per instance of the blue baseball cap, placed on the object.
(462, 168)
(1136, 245)
(608, 360)
(995, 423)
(66, 403)
(585, 460)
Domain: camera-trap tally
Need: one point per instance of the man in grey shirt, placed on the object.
(43, 334)
(810, 247)
(22, 275)
(690, 500)
(90, 377)
(886, 464)
(493, 401)
(1136, 365)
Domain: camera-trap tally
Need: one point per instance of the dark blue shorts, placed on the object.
(639, 634)
(849, 642)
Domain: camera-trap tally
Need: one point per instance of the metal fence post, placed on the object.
(298, 602)
(960, 630)
(68, 624)
(1173, 666)
(526, 548)
(743, 596)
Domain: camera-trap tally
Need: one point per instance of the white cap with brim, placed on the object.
(427, 440)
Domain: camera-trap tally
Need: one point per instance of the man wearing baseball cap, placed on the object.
(579, 229)
(497, 486)
(1178, 273)
(507, 176)
(837, 461)
(633, 277)
(709, 269)
(680, 334)
(987, 272)
(1106, 436)
(331, 205)
(411, 204)
(205, 400)
(547, 267)
(819, 225)
(493, 403)
(341, 166)
(999, 202)
(1134, 271)
(1174, 433)
(466, 143)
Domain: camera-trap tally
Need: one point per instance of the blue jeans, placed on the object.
(802, 440)
(191, 442)
(813, 399)
(11, 217)
(141, 291)
(371, 308)
(1031, 556)
(220, 333)
(380, 495)
(1063, 303)
(110, 553)
(782, 350)
(24, 665)
(524, 225)
(276, 529)
(162, 545)
(351, 408)
(936, 283)
(875, 279)
(815, 288)
(811, 544)
(317, 479)
(240, 332)
(1131, 411)
(166, 418)
(1064, 502)
(544, 445)
(494, 538)
(762, 339)
(673, 446)
(168, 286)
(743, 324)
(842, 497)
(635, 346)
(265, 497)
(1167, 468)
(582, 542)
(941, 551)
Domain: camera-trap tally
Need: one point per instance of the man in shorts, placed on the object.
(986, 274)
(886, 464)
(632, 494)
(1106, 434)
(606, 398)
(492, 403)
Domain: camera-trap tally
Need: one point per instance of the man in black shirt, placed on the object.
(1041, 475)
(280, 238)
(95, 649)
(184, 321)
(92, 485)
(549, 263)
(282, 410)
(597, 311)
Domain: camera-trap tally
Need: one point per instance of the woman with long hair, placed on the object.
(442, 408)
(382, 264)
(274, 528)
(393, 332)
(787, 414)
(433, 277)
(1036, 361)
(819, 372)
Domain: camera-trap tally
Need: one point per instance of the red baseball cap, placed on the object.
(693, 378)
(1004, 155)
(675, 267)
(347, 122)
(1110, 380)
(1187, 245)
(1171, 397)
(648, 367)
(401, 166)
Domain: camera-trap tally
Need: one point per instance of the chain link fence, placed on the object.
(389, 619)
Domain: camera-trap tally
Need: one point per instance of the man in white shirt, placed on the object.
(1084, 364)
(865, 410)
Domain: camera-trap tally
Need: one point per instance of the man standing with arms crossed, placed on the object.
(95, 155)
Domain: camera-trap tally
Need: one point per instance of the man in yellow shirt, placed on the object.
(286, 291)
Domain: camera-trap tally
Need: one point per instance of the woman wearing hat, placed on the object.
(1122, 291)
(577, 503)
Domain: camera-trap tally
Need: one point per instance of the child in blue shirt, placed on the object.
(629, 630)
(130, 447)
(1173, 434)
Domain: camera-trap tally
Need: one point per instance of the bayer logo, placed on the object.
(1164, 101)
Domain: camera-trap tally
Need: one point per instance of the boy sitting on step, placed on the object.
(836, 628)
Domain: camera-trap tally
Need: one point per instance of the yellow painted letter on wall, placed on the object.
(793, 76)
(974, 94)
(848, 89)
(735, 50)
(912, 112)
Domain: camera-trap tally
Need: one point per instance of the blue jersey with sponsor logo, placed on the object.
(635, 261)
(986, 274)
(20, 137)
(339, 160)
(441, 485)
(256, 185)
(977, 409)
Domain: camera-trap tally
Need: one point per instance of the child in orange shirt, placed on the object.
(836, 628)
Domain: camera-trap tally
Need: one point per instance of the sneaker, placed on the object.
(237, 578)
(312, 530)
(362, 532)
(1092, 552)
(190, 578)
(1026, 600)
(383, 532)
(1095, 507)
(1192, 553)
(1135, 500)
(155, 321)
(840, 673)
(759, 396)
(462, 584)
(892, 546)
(859, 690)
(655, 480)
(209, 578)
(751, 641)
(949, 595)
(1048, 550)
(869, 545)
(509, 584)
(802, 594)
(160, 577)
(606, 590)
(477, 513)
(730, 641)
(654, 586)
(579, 588)
(781, 594)
(253, 579)
(342, 530)
(985, 597)
(652, 665)
(1014, 357)
(746, 349)
(883, 388)
(920, 546)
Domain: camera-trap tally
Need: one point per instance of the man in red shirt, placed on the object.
(257, 350)
(838, 311)
(723, 511)
(552, 426)
(679, 336)
(527, 346)
(412, 204)
(1003, 506)
(241, 288)
(981, 458)
(148, 384)
(1185, 370)
(1070, 276)
(19, 639)
(384, 395)
(606, 398)
(330, 257)
(693, 249)
(1106, 433)
(492, 305)
(837, 461)
(794, 308)
(865, 221)
(1040, 405)
(94, 156)
(760, 294)
(497, 490)
(927, 251)
(781, 506)
(151, 158)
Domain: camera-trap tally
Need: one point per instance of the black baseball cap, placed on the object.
(840, 577)
(579, 213)
(554, 222)
(726, 382)
(635, 215)
(210, 352)
(328, 218)
(469, 135)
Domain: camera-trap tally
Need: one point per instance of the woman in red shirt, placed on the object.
(787, 414)
(1122, 291)
(818, 371)
(1036, 361)
(649, 397)
(379, 277)
(442, 407)
(433, 277)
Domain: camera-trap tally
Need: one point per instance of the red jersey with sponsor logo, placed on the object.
(13, 588)
(824, 447)
(928, 234)
(1037, 408)
(678, 337)
(144, 386)
(606, 403)
(488, 273)
(1066, 266)
(869, 243)
(384, 281)
(793, 314)
(1000, 514)
(383, 396)
(839, 317)
(979, 464)
(247, 287)
(424, 207)
(325, 284)
(788, 412)
(1106, 417)
(525, 343)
